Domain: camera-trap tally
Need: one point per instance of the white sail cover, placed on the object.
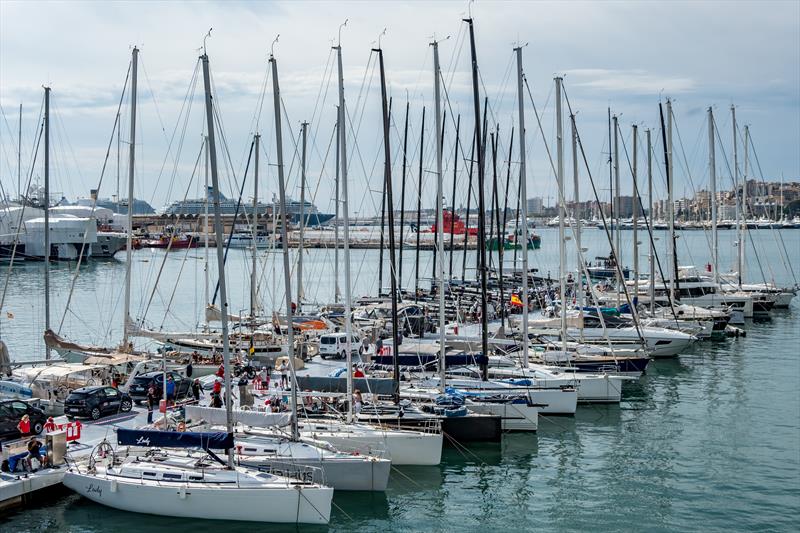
(249, 418)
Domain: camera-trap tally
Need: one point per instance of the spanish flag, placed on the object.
(515, 300)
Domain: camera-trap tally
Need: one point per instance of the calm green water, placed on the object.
(708, 441)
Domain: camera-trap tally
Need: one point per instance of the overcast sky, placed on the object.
(626, 55)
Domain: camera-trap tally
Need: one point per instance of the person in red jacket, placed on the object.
(50, 425)
(24, 425)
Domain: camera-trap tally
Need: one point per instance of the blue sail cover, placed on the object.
(174, 439)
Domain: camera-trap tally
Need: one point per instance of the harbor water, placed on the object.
(709, 440)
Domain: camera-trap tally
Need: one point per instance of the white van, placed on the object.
(335, 345)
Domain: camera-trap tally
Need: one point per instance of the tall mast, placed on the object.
(205, 229)
(419, 204)
(635, 194)
(652, 258)
(499, 236)
(403, 197)
(220, 247)
(712, 177)
(739, 204)
(615, 219)
(743, 240)
(523, 179)
(254, 229)
(577, 215)
(387, 182)
(437, 113)
(19, 155)
(481, 204)
(382, 238)
(670, 206)
(47, 213)
(119, 149)
(469, 206)
(131, 168)
(436, 238)
(287, 278)
(348, 299)
(453, 197)
(611, 180)
(300, 292)
(562, 244)
(337, 293)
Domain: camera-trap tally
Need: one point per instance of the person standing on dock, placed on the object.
(152, 400)
(197, 390)
(24, 426)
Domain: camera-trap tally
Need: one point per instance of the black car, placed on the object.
(12, 411)
(96, 401)
(138, 389)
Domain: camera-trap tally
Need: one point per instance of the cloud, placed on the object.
(634, 81)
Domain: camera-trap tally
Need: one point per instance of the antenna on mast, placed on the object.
(342, 25)
(272, 46)
(204, 39)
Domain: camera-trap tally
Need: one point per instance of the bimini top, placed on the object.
(175, 439)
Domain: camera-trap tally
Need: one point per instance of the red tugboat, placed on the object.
(453, 224)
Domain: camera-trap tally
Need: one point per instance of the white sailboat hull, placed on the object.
(207, 501)
(402, 447)
(355, 475)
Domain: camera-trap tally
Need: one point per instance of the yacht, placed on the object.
(162, 475)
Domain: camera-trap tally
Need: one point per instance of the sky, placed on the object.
(627, 56)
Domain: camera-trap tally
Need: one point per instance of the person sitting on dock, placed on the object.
(35, 452)
(357, 401)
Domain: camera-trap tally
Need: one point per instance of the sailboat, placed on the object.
(171, 482)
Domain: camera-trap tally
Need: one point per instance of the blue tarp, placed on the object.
(174, 439)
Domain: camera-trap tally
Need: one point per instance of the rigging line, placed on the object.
(11, 136)
(153, 97)
(167, 311)
(562, 200)
(255, 122)
(326, 77)
(34, 153)
(691, 181)
(169, 246)
(647, 219)
(752, 208)
(235, 217)
(94, 201)
(64, 137)
(786, 262)
(183, 112)
(230, 172)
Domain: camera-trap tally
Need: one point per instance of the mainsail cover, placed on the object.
(175, 439)
(248, 418)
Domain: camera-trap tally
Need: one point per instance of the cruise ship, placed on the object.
(228, 207)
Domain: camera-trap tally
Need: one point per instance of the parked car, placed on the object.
(12, 411)
(138, 389)
(335, 345)
(96, 401)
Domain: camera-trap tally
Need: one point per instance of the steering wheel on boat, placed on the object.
(102, 452)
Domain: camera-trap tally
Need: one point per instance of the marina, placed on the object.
(294, 340)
